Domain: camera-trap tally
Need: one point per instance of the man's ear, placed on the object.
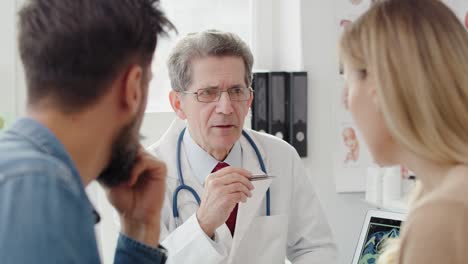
(132, 94)
(251, 99)
(176, 104)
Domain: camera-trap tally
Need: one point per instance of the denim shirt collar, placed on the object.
(41, 137)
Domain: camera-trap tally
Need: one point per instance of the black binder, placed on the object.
(278, 105)
(298, 112)
(260, 102)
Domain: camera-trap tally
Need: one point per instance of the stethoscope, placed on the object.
(183, 186)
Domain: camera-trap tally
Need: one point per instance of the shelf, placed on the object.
(394, 205)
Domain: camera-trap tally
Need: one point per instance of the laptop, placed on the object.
(377, 228)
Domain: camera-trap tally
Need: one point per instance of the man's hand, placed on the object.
(223, 190)
(139, 201)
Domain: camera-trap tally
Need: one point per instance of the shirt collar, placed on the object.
(41, 137)
(202, 163)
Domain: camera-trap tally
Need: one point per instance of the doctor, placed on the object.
(214, 213)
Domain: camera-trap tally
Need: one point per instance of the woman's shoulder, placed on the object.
(452, 190)
(443, 208)
(436, 228)
(435, 233)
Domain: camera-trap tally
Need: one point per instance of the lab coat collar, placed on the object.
(166, 147)
(249, 158)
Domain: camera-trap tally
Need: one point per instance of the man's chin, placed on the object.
(119, 168)
(225, 142)
(113, 176)
(226, 132)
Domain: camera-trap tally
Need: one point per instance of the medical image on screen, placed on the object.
(380, 229)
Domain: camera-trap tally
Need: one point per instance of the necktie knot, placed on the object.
(219, 166)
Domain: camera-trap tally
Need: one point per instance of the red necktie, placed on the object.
(231, 222)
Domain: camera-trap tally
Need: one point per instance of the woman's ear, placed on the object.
(371, 86)
(374, 96)
(176, 104)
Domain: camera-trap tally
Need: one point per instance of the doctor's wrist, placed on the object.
(207, 228)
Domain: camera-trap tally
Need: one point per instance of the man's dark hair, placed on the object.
(73, 49)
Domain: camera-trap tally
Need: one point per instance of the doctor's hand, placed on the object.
(223, 190)
(139, 201)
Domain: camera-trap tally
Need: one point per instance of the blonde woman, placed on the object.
(406, 67)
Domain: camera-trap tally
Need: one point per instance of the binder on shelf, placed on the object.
(278, 105)
(298, 112)
(260, 102)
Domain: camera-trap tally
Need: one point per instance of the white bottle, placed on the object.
(391, 188)
(374, 185)
(407, 185)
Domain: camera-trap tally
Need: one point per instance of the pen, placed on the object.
(258, 177)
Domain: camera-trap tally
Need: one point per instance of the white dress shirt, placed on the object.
(202, 163)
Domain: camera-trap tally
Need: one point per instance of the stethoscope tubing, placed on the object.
(183, 186)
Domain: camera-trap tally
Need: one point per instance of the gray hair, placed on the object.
(201, 45)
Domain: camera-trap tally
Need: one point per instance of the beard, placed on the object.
(124, 153)
(125, 148)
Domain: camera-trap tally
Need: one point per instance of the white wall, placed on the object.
(7, 55)
(276, 35)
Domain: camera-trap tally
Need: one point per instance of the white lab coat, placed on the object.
(296, 228)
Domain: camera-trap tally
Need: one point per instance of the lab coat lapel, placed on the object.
(249, 210)
(167, 150)
(249, 158)
(167, 145)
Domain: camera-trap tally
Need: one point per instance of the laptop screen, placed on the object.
(376, 231)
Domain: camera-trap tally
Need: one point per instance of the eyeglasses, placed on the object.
(213, 94)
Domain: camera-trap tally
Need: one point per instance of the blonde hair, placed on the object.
(417, 50)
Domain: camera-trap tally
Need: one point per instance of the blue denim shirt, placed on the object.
(45, 214)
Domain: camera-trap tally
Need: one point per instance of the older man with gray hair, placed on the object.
(233, 195)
